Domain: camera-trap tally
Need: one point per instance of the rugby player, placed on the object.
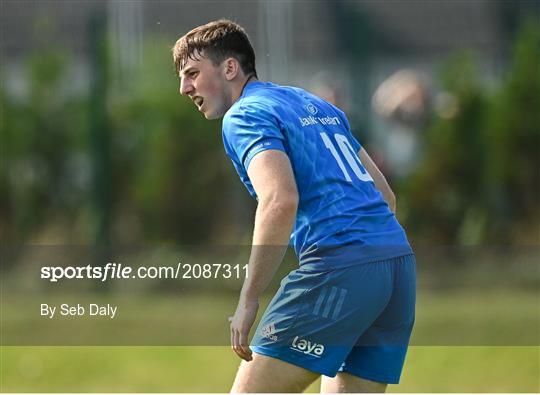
(347, 312)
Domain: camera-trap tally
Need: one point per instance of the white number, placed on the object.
(332, 149)
(352, 157)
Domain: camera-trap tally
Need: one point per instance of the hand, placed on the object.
(241, 323)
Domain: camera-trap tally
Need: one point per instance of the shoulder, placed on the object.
(256, 107)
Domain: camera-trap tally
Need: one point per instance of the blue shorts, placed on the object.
(356, 319)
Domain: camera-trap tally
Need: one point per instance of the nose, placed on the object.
(185, 87)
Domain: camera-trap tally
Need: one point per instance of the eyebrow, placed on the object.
(188, 70)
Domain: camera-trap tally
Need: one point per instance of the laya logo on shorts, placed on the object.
(307, 347)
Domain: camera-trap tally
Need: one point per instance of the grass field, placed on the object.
(429, 368)
(211, 369)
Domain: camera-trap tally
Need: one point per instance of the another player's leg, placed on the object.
(347, 383)
(267, 374)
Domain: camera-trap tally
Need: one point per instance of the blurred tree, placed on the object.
(512, 138)
(170, 178)
(170, 171)
(479, 179)
(39, 134)
(444, 189)
(171, 181)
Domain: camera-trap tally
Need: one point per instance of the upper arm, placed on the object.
(250, 129)
(272, 177)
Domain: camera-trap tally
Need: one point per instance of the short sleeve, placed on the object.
(250, 130)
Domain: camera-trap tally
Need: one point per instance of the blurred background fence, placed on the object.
(99, 147)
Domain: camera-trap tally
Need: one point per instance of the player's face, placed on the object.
(206, 85)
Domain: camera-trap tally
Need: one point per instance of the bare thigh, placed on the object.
(345, 382)
(266, 374)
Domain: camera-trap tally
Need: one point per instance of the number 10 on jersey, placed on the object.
(350, 156)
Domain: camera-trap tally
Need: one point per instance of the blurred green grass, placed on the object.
(458, 317)
(211, 369)
(484, 317)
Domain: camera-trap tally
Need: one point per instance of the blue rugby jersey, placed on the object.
(342, 219)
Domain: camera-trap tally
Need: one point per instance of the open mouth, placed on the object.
(198, 101)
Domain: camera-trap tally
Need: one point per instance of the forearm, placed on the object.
(388, 195)
(273, 224)
(378, 178)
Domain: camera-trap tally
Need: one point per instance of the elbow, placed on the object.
(284, 204)
(287, 205)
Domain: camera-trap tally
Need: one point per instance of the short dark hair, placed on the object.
(217, 40)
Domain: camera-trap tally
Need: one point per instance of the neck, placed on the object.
(240, 88)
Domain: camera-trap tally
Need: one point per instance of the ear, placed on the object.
(232, 68)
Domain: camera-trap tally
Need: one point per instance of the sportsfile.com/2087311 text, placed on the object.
(113, 271)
